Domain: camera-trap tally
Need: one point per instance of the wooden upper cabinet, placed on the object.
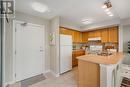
(84, 37)
(113, 34)
(97, 33)
(107, 34)
(104, 35)
(91, 34)
(77, 37)
(65, 31)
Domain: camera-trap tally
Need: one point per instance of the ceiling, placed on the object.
(75, 10)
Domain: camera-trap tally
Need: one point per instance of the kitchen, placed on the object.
(83, 41)
(100, 49)
(97, 55)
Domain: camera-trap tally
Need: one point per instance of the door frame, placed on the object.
(14, 48)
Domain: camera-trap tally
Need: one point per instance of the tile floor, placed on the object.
(65, 80)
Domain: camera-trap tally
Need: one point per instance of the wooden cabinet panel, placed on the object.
(88, 74)
(97, 33)
(77, 37)
(91, 34)
(76, 54)
(84, 37)
(65, 31)
(107, 35)
(104, 35)
(113, 34)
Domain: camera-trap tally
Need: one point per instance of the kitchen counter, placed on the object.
(112, 59)
(98, 71)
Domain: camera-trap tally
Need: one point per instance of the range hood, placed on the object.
(94, 39)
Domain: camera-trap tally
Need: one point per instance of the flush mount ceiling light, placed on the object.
(107, 6)
(109, 13)
(86, 21)
(39, 7)
(106, 10)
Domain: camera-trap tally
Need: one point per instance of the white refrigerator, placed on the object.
(65, 53)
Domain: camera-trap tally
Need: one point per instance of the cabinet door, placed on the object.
(84, 37)
(104, 35)
(97, 33)
(65, 31)
(76, 54)
(91, 34)
(73, 35)
(113, 34)
(77, 37)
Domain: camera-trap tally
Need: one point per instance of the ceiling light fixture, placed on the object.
(86, 21)
(104, 6)
(107, 7)
(109, 13)
(106, 10)
(39, 7)
(107, 4)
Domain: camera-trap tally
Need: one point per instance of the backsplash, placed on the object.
(77, 46)
(106, 46)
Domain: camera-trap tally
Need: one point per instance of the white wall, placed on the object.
(120, 38)
(126, 37)
(55, 48)
(9, 42)
(125, 21)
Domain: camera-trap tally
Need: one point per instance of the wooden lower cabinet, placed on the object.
(88, 74)
(76, 54)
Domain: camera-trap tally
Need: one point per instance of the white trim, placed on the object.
(9, 83)
(47, 71)
(55, 74)
(17, 21)
(3, 53)
(120, 35)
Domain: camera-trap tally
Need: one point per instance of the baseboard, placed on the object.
(55, 74)
(47, 71)
(9, 83)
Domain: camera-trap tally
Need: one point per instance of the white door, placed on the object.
(29, 45)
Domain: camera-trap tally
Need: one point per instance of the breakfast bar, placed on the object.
(93, 70)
